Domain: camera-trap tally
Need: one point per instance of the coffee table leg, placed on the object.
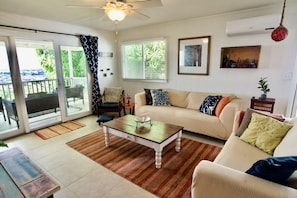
(106, 136)
(158, 158)
(178, 142)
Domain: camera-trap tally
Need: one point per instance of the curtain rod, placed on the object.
(36, 31)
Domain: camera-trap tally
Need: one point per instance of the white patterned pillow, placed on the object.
(160, 98)
(209, 104)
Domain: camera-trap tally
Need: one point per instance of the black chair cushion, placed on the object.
(108, 105)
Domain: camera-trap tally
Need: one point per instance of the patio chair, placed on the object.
(2, 109)
(74, 93)
(111, 101)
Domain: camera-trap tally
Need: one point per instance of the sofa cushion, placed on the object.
(209, 104)
(178, 98)
(247, 118)
(236, 154)
(112, 94)
(148, 96)
(288, 146)
(265, 132)
(160, 98)
(276, 169)
(221, 104)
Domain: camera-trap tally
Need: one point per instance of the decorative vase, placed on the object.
(263, 96)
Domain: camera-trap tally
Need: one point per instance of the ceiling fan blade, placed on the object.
(82, 6)
(138, 15)
(144, 3)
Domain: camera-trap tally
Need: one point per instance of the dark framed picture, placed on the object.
(240, 57)
(193, 55)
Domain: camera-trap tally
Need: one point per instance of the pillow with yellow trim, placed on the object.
(265, 132)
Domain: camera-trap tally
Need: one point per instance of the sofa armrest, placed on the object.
(228, 114)
(139, 101)
(211, 180)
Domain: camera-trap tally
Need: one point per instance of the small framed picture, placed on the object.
(193, 55)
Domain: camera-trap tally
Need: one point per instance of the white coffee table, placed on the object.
(153, 134)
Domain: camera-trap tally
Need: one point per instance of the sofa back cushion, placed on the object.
(178, 98)
(288, 146)
(265, 132)
(195, 99)
(112, 94)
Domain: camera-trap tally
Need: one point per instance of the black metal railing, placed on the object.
(38, 86)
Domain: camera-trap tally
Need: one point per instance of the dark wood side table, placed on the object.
(266, 104)
(130, 106)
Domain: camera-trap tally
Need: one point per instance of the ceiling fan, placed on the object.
(117, 10)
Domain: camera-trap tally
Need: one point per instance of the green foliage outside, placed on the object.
(48, 64)
(153, 66)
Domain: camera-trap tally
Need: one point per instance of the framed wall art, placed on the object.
(240, 57)
(193, 55)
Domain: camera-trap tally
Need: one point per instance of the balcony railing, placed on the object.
(38, 86)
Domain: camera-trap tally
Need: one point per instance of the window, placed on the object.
(144, 60)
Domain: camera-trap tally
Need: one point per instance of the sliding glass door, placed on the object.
(8, 115)
(75, 80)
(39, 80)
(49, 84)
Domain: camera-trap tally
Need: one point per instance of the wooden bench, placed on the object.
(20, 177)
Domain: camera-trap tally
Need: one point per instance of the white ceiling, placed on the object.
(171, 10)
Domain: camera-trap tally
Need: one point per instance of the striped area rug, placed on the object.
(58, 129)
(136, 162)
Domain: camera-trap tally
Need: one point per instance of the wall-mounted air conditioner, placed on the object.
(254, 25)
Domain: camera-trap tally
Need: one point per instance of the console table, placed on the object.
(20, 177)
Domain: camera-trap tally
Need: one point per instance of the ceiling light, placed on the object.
(116, 15)
(117, 11)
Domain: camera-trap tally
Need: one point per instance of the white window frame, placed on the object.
(137, 42)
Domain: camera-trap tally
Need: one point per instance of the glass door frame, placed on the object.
(9, 38)
(17, 88)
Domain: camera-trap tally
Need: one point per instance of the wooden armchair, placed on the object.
(111, 100)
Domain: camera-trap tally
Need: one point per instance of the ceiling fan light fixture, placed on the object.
(117, 11)
(116, 15)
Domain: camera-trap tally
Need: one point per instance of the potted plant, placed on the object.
(263, 86)
(2, 144)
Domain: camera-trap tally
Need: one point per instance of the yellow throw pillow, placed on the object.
(265, 132)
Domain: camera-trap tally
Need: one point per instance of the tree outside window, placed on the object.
(145, 60)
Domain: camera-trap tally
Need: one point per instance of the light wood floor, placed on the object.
(77, 175)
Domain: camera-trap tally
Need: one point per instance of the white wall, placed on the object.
(277, 60)
(105, 39)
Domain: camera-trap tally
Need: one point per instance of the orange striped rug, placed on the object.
(137, 163)
(58, 129)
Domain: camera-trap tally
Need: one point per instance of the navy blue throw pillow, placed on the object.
(209, 104)
(276, 169)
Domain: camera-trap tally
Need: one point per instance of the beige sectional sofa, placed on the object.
(226, 177)
(183, 111)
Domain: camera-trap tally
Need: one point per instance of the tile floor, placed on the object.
(77, 175)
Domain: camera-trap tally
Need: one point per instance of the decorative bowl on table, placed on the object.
(141, 120)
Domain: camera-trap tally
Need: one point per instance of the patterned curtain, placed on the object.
(90, 45)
